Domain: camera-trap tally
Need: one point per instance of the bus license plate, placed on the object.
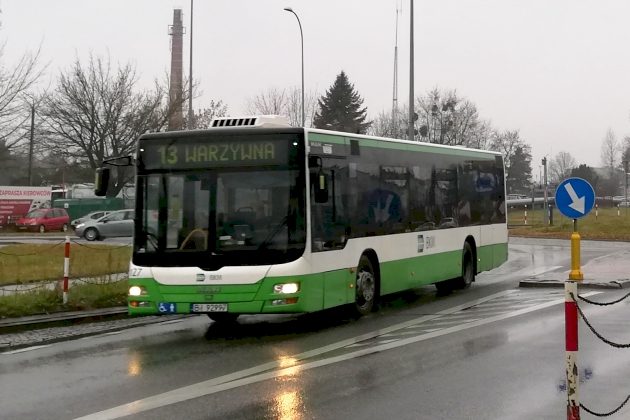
(208, 307)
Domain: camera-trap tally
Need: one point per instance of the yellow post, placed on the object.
(576, 273)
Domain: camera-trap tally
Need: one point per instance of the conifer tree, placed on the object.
(340, 108)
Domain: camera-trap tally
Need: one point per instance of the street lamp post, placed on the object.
(288, 9)
(625, 177)
(191, 113)
(411, 128)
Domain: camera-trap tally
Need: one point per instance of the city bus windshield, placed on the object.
(222, 215)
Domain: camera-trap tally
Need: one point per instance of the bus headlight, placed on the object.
(137, 291)
(286, 288)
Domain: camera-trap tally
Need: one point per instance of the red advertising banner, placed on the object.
(15, 202)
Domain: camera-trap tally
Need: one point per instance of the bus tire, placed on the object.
(223, 317)
(444, 287)
(468, 269)
(365, 287)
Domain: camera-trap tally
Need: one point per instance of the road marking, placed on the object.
(172, 321)
(272, 369)
(111, 333)
(27, 349)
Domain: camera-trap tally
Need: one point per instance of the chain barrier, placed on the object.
(610, 343)
(610, 413)
(17, 289)
(99, 248)
(100, 283)
(35, 253)
(598, 335)
(602, 303)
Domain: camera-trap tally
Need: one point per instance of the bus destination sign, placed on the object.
(186, 154)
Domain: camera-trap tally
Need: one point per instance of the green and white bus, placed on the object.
(253, 216)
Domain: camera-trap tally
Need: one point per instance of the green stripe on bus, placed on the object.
(317, 291)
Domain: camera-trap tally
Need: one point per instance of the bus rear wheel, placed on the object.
(223, 317)
(366, 287)
(468, 269)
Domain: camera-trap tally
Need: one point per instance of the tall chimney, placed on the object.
(176, 31)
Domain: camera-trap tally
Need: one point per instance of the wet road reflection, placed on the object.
(134, 364)
(508, 369)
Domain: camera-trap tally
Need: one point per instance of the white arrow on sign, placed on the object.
(578, 203)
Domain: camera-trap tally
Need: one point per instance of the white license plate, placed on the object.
(208, 307)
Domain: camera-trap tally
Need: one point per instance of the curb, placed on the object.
(60, 316)
(10, 328)
(588, 284)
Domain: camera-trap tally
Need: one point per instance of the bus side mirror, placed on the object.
(321, 188)
(101, 182)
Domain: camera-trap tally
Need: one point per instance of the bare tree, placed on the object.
(15, 82)
(385, 124)
(203, 117)
(445, 118)
(287, 102)
(293, 107)
(625, 149)
(481, 136)
(96, 112)
(561, 166)
(506, 142)
(610, 151)
(517, 158)
(273, 101)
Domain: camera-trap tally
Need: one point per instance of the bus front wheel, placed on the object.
(365, 287)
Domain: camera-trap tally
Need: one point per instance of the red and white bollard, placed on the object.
(66, 270)
(525, 215)
(571, 322)
(571, 326)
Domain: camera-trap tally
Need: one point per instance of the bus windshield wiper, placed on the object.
(273, 233)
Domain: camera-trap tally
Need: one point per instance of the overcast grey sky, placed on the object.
(557, 70)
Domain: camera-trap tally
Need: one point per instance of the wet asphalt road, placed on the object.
(490, 352)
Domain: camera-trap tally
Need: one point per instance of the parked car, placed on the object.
(116, 223)
(44, 220)
(90, 216)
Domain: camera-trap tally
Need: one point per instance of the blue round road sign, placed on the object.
(575, 197)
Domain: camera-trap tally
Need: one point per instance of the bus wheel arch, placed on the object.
(367, 283)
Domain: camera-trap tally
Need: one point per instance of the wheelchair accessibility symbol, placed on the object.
(166, 308)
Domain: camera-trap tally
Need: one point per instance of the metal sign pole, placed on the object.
(575, 198)
(571, 327)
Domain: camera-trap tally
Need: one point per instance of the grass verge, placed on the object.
(28, 263)
(80, 297)
(605, 224)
